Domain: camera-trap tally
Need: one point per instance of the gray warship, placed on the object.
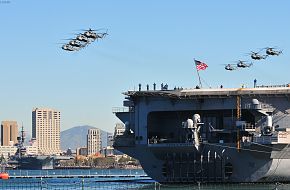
(208, 135)
(21, 160)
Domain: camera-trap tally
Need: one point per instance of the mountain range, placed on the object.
(76, 137)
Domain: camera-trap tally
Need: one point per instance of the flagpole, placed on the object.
(198, 74)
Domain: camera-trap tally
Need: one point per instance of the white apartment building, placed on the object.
(94, 141)
(46, 130)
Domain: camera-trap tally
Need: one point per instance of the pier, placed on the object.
(114, 176)
(78, 173)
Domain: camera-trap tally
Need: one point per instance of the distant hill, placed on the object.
(77, 137)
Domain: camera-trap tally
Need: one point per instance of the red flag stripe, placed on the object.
(200, 65)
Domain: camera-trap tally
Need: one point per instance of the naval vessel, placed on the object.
(208, 135)
(22, 160)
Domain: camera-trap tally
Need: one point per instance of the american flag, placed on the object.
(200, 65)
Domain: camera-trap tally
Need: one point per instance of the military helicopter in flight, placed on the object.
(230, 67)
(82, 38)
(68, 47)
(272, 51)
(257, 56)
(90, 32)
(243, 64)
(93, 35)
(75, 43)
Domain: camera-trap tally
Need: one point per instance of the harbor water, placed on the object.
(115, 179)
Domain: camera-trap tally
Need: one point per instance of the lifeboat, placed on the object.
(4, 175)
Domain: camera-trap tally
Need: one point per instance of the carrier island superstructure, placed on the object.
(208, 135)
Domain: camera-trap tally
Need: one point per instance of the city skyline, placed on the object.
(29, 129)
(148, 42)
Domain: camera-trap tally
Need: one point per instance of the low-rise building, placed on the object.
(82, 151)
(7, 151)
(108, 151)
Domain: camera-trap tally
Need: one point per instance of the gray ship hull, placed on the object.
(243, 134)
(171, 164)
(33, 162)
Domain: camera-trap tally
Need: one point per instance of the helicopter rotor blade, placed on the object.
(85, 30)
(69, 39)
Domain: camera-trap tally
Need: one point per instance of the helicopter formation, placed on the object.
(84, 39)
(270, 51)
(239, 64)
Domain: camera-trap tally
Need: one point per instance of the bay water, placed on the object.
(107, 179)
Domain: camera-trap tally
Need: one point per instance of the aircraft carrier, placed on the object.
(208, 135)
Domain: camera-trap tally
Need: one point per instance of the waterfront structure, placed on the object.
(94, 141)
(108, 151)
(7, 151)
(9, 133)
(209, 135)
(46, 130)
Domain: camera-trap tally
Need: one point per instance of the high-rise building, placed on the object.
(46, 130)
(94, 141)
(110, 139)
(9, 133)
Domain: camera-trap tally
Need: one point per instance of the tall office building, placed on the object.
(94, 141)
(9, 133)
(46, 130)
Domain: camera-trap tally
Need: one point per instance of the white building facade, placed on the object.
(7, 151)
(94, 143)
(46, 130)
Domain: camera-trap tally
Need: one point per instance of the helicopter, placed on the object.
(257, 56)
(243, 64)
(68, 47)
(95, 36)
(82, 38)
(90, 33)
(76, 43)
(272, 51)
(230, 67)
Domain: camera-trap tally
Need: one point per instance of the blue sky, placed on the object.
(149, 41)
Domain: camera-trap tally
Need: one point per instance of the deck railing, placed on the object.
(122, 109)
